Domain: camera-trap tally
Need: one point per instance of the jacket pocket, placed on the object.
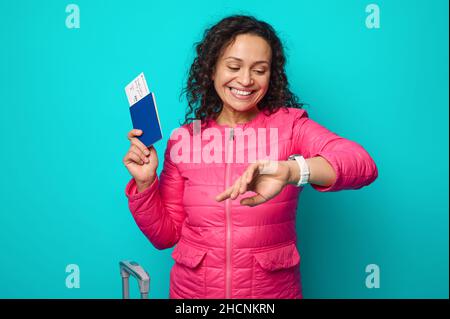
(276, 273)
(188, 255)
(189, 272)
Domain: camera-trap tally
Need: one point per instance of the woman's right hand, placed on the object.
(141, 161)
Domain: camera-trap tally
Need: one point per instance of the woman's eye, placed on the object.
(233, 68)
(260, 71)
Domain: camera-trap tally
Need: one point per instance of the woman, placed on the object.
(231, 214)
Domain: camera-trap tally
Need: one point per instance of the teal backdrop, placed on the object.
(64, 119)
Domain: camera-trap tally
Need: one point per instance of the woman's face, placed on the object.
(242, 72)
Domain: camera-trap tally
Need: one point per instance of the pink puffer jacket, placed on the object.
(225, 250)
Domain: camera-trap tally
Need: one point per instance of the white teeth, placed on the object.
(240, 92)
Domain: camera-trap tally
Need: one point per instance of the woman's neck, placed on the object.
(230, 117)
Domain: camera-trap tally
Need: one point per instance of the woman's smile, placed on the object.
(241, 94)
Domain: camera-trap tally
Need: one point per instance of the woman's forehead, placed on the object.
(248, 48)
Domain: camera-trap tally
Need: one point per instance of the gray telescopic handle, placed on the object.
(132, 268)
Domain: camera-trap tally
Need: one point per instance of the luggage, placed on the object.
(132, 268)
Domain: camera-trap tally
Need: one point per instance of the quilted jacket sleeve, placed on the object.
(354, 167)
(158, 210)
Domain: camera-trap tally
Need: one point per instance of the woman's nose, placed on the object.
(245, 78)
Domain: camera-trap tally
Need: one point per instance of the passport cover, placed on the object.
(144, 115)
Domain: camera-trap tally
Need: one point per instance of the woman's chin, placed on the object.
(242, 106)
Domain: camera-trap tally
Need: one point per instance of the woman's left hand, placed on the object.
(265, 178)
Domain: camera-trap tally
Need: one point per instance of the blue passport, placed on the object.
(144, 115)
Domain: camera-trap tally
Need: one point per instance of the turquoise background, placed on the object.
(64, 119)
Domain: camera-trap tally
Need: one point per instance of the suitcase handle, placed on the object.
(132, 268)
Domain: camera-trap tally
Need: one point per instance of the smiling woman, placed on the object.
(241, 76)
(233, 220)
(238, 56)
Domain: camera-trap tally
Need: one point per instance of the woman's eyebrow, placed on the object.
(257, 62)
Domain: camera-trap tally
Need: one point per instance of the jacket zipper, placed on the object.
(228, 216)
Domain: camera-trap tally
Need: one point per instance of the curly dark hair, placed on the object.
(203, 101)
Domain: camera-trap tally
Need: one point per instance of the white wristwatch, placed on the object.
(304, 169)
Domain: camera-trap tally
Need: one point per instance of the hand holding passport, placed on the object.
(143, 110)
(141, 159)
